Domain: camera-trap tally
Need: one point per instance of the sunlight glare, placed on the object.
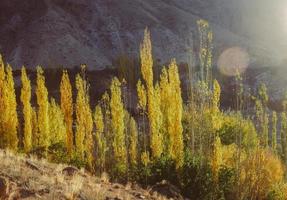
(232, 61)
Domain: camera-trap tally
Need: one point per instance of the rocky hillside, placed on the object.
(29, 178)
(67, 33)
(70, 32)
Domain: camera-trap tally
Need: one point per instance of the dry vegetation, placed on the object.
(28, 178)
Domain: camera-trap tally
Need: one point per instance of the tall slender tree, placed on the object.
(117, 124)
(56, 124)
(10, 111)
(43, 110)
(283, 131)
(274, 131)
(27, 109)
(101, 143)
(84, 118)
(133, 142)
(175, 128)
(153, 108)
(67, 108)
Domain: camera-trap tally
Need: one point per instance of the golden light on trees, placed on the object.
(117, 124)
(27, 109)
(67, 108)
(43, 110)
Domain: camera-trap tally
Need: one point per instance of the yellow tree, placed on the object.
(205, 52)
(10, 118)
(283, 131)
(2, 102)
(153, 106)
(56, 124)
(117, 124)
(175, 128)
(165, 94)
(216, 158)
(35, 129)
(274, 131)
(27, 110)
(133, 142)
(84, 118)
(43, 110)
(101, 143)
(67, 108)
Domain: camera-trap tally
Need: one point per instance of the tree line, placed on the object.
(208, 153)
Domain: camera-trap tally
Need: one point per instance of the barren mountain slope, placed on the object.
(70, 32)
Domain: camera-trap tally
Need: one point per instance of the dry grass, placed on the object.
(44, 180)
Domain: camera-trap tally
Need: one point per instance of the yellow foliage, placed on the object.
(142, 96)
(217, 157)
(8, 108)
(101, 143)
(133, 141)
(145, 158)
(67, 108)
(117, 124)
(43, 110)
(175, 128)
(84, 118)
(153, 97)
(27, 110)
(56, 124)
(155, 116)
(146, 60)
(258, 173)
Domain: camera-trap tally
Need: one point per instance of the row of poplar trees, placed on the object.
(92, 134)
(195, 137)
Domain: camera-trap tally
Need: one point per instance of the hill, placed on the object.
(30, 178)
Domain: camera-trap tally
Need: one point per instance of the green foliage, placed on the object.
(233, 124)
(277, 192)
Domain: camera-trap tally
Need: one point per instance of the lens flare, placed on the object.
(232, 61)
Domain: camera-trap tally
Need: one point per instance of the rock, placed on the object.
(70, 171)
(3, 187)
(168, 190)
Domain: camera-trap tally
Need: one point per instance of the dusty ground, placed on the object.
(29, 178)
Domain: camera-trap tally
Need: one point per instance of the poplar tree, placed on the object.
(34, 122)
(117, 125)
(10, 111)
(43, 110)
(101, 143)
(56, 124)
(274, 131)
(27, 109)
(133, 142)
(175, 128)
(264, 119)
(216, 158)
(67, 108)
(84, 118)
(165, 93)
(205, 52)
(2, 103)
(283, 131)
(142, 96)
(153, 107)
